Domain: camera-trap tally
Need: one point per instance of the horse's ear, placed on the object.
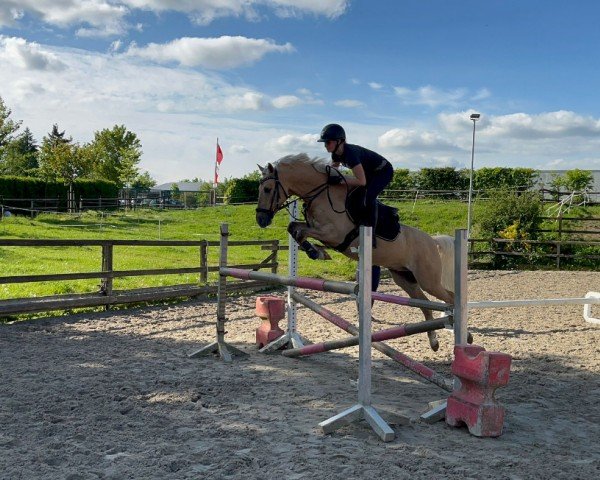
(268, 169)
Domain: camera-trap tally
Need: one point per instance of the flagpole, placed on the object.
(214, 195)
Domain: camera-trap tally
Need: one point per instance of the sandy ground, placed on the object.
(114, 395)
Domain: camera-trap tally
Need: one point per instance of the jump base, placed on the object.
(356, 413)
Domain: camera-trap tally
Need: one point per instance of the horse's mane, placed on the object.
(318, 163)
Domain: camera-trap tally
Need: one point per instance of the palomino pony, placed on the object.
(417, 261)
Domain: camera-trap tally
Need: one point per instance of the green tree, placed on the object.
(242, 190)
(402, 180)
(116, 153)
(8, 127)
(574, 181)
(143, 182)
(175, 192)
(61, 159)
(20, 156)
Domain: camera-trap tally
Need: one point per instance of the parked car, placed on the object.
(148, 202)
(170, 203)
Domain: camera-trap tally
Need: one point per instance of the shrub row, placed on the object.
(26, 187)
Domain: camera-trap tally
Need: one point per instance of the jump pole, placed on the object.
(291, 338)
(224, 349)
(536, 302)
(416, 367)
(379, 336)
(363, 409)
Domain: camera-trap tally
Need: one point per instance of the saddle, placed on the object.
(388, 221)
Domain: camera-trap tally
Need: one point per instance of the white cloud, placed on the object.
(215, 53)
(409, 139)
(115, 46)
(96, 17)
(246, 101)
(547, 125)
(481, 94)
(176, 112)
(375, 85)
(430, 96)
(239, 149)
(348, 103)
(294, 143)
(559, 124)
(286, 101)
(28, 56)
(204, 12)
(109, 17)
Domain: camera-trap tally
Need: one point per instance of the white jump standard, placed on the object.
(363, 409)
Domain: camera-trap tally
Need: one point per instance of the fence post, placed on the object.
(107, 267)
(204, 262)
(225, 350)
(31, 208)
(558, 244)
(275, 251)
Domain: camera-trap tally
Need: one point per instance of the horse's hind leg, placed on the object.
(406, 280)
(437, 290)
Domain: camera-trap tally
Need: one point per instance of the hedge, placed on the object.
(27, 187)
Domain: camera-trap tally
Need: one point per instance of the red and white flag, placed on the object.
(217, 163)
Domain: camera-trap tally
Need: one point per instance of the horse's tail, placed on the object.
(445, 244)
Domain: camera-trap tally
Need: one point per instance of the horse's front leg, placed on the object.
(300, 231)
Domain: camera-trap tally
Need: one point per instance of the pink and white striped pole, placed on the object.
(380, 336)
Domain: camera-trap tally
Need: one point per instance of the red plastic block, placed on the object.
(271, 309)
(473, 404)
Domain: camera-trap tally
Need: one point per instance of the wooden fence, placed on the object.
(106, 295)
(568, 235)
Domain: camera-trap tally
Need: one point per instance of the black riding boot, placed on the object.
(373, 224)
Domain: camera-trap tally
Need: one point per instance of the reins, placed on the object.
(307, 198)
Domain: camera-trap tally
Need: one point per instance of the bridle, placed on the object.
(272, 210)
(307, 198)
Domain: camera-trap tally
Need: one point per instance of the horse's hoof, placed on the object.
(469, 338)
(313, 254)
(435, 346)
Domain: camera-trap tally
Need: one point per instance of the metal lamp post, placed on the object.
(474, 117)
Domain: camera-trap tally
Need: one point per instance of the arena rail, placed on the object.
(107, 295)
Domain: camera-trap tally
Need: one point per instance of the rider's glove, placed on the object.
(334, 179)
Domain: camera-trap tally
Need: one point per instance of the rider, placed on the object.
(370, 170)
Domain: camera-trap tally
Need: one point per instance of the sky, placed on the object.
(264, 77)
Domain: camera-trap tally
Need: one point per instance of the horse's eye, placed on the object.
(267, 190)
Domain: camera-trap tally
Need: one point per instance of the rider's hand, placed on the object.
(334, 180)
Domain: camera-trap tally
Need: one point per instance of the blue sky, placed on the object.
(402, 76)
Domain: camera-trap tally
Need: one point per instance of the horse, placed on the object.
(417, 261)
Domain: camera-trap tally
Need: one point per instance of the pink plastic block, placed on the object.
(473, 404)
(271, 309)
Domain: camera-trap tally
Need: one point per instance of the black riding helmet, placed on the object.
(333, 131)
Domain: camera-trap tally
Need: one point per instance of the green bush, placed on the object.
(512, 216)
(446, 178)
(498, 177)
(242, 190)
(27, 187)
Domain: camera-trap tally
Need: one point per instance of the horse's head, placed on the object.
(271, 195)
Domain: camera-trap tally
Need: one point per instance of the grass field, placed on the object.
(434, 217)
